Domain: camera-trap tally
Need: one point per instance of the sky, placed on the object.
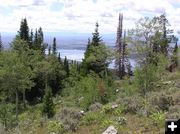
(80, 16)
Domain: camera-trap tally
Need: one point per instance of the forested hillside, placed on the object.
(41, 93)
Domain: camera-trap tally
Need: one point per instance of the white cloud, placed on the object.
(81, 15)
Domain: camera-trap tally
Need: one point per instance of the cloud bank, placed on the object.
(80, 15)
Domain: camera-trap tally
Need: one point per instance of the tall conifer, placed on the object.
(54, 49)
(1, 44)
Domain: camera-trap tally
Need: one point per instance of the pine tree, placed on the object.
(96, 39)
(87, 49)
(35, 38)
(31, 38)
(40, 36)
(54, 49)
(164, 22)
(49, 50)
(96, 55)
(89, 43)
(24, 30)
(1, 44)
(48, 105)
(175, 53)
(66, 66)
(59, 57)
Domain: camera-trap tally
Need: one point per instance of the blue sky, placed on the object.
(79, 16)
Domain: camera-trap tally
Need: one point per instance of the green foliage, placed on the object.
(70, 118)
(132, 104)
(145, 78)
(97, 55)
(24, 30)
(6, 114)
(55, 127)
(48, 105)
(107, 122)
(119, 111)
(55, 74)
(158, 118)
(66, 66)
(97, 59)
(161, 101)
(174, 57)
(92, 118)
(107, 109)
(16, 74)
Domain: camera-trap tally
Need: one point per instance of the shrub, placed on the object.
(158, 118)
(107, 122)
(107, 109)
(55, 127)
(6, 114)
(161, 101)
(70, 118)
(48, 105)
(96, 106)
(121, 120)
(145, 78)
(119, 110)
(132, 104)
(174, 112)
(92, 118)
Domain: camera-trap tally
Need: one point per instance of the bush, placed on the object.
(107, 122)
(92, 118)
(6, 114)
(107, 109)
(55, 127)
(158, 118)
(119, 110)
(48, 105)
(161, 101)
(96, 106)
(70, 118)
(121, 120)
(145, 78)
(174, 112)
(132, 104)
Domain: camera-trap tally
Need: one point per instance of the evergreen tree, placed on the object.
(39, 40)
(89, 42)
(36, 38)
(40, 36)
(24, 30)
(48, 105)
(54, 49)
(1, 44)
(31, 37)
(164, 23)
(97, 55)
(175, 53)
(66, 66)
(59, 57)
(49, 50)
(96, 39)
